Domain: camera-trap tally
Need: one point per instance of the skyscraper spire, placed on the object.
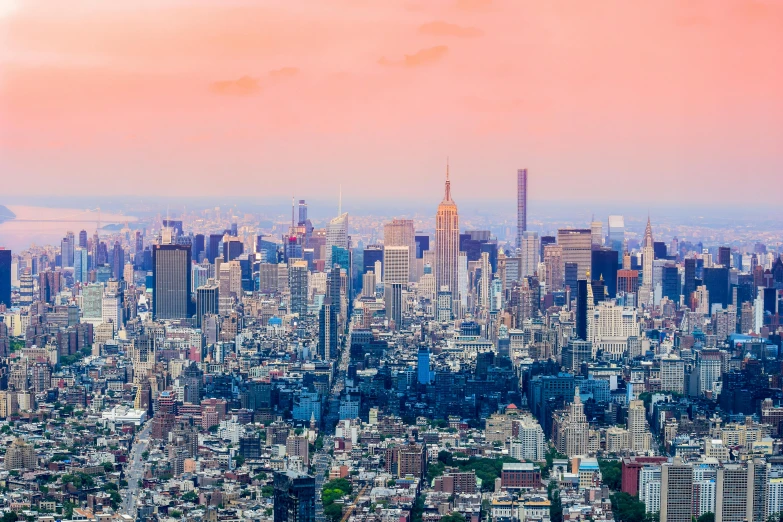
(448, 182)
(648, 237)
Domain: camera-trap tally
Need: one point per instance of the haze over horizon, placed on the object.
(201, 99)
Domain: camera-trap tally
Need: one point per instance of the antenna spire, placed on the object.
(448, 181)
(340, 202)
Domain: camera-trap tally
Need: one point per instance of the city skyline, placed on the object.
(207, 94)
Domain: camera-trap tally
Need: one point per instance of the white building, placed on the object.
(125, 415)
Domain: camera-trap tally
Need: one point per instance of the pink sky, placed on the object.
(598, 99)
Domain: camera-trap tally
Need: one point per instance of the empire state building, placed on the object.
(447, 245)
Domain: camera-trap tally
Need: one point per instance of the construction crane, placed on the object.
(353, 505)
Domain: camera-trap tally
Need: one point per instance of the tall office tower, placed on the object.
(368, 284)
(327, 332)
(648, 259)
(80, 267)
(575, 430)
(638, 434)
(25, 288)
(530, 249)
(447, 246)
(733, 497)
(577, 245)
(207, 299)
(400, 233)
(298, 285)
(547, 240)
(66, 249)
(570, 275)
(582, 289)
(709, 365)
(213, 247)
(689, 280)
(672, 374)
(396, 265)
(422, 245)
(139, 242)
(604, 265)
(423, 373)
(670, 282)
(575, 353)
(462, 282)
(117, 261)
(336, 235)
(171, 281)
(716, 279)
(615, 238)
(5, 277)
(553, 263)
(521, 205)
(232, 248)
(676, 491)
(597, 232)
(83, 239)
(485, 281)
(373, 254)
(724, 256)
(334, 289)
(294, 497)
(198, 247)
(392, 297)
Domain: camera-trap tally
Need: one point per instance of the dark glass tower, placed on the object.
(294, 497)
(171, 281)
(581, 309)
(5, 277)
(604, 266)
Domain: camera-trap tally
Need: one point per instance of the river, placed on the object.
(47, 226)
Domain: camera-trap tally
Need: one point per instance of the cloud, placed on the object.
(446, 29)
(284, 72)
(244, 86)
(249, 85)
(426, 56)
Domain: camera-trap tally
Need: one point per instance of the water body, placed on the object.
(24, 226)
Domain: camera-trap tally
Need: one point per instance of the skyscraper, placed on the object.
(327, 332)
(577, 244)
(297, 283)
(336, 235)
(80, 265)
(207, 298)
(83, 239)
(615, 238)
(530, 249)
(447, 245)
(66, 250)
(604, 266)
(676, 491)
(648, 256)
(294, 497)
(553, 267)
(117, 261)
(396, 265)
(5, 277)
(521, 205)
(400, 233)
(171, 276)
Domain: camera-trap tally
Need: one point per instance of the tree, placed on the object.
(333, 512)
(709, 516)
(239, 459)
(611, 473)
(108, 467)
(268, 491)
(10, 517)
(627, 508)
(190, 496)
(556, 505)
